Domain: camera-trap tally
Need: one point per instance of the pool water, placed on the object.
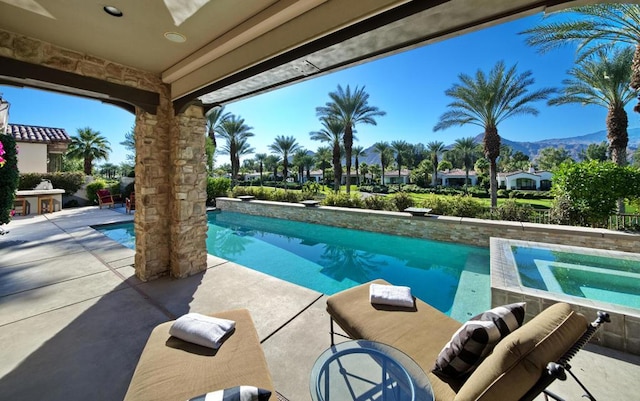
(453, 278)
(603, 278)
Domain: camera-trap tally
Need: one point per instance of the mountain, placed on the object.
(573, 144)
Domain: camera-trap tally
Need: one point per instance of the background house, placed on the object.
(40, 149)
(532, 180)
(456, 177)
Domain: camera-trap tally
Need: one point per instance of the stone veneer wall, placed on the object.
(170, 217)
(440, 228)
(189, 194)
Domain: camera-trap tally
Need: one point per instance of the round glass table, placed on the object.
(367, 370)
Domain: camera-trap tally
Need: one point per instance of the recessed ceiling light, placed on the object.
(175, 37)
(113, 11)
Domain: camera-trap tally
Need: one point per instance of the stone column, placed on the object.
(188, 194)
(153, 191)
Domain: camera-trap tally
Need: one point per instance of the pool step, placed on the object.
(474, 290)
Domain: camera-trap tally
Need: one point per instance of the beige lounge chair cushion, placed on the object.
(171, 369)
(419, 332)
(518, 361)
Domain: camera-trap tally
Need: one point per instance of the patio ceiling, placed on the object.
(237, 48)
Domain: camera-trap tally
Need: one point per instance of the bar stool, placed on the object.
(45, 204)
(21, 206)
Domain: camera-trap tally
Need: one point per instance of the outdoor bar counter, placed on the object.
(38, 200)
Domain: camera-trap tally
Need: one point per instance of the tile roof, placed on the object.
(32, 133)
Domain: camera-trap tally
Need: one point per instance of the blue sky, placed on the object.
(409, 86)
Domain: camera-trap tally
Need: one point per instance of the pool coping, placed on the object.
(623, 333)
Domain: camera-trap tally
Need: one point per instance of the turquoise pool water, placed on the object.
(453, 278)
(603, 278)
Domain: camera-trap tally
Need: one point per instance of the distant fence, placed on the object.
(620, 222)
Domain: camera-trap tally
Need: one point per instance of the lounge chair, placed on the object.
(104, 198)
(521, 366)
(130, 203)
(170, 369)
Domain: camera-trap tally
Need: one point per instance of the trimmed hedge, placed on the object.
(71, 182)
(8, 177)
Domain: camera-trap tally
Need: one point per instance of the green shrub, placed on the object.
(513, 211)
(378, 189)
(8, 177)
(438, 204)
(71, 182)
(280, 195)
(503, 193)
(92, 188)
(217, 187)
(401, 201)
(377, 202)
(311, 188)
(466, 206)
(342, 199)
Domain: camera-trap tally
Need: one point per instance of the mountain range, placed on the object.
(573, 144)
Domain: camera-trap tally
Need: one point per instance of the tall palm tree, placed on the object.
(384, 150)
(486, 101)
(351, 109)
(307, 162)
(358, 152)
(323, 159)
(468, 151)
(260, 158)
(401, 148)
(435, 149)
(214, 118)
(364, 170)
(88, 145)
(332, 132)
(603, 80)
(235, 133)
(594, 27)
(284, 145)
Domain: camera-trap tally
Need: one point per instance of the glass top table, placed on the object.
(367, 370)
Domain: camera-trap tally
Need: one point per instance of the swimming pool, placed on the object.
(606, 276)
(453, 278)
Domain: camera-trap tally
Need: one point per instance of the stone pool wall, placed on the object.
(440, 228)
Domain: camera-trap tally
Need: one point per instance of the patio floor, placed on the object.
(74, 318)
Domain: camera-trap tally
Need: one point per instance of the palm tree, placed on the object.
(435, 148)
(358, 152)
(595, 27)
(351, 109)
(400, 148)
(375, 170)
(214, 118)
(235, 133)
(284, 145)
(88, 145)
(323, 159)
(298, 161)
(486, 102)
(468, 151)
(603, 80)
(384, 150)
(364, 170)
(332, 132)
(260, 158)
(307, 162)
(109, 170)
(271, 163)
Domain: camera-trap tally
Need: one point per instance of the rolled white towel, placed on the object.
(202, 330)
(394, 295)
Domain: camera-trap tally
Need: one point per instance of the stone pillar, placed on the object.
(188, 194)
(153, 191)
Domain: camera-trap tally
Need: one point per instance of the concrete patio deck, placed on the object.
(74, 318)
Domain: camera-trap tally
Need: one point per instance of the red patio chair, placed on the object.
(104, 198)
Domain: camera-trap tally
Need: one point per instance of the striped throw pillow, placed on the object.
(239, 393)
(475, 340)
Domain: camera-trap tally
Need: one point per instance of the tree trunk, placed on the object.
(88, 161)
(635, 74)
(337, 168)
(348, 145)
(617, 123)
(491, 145)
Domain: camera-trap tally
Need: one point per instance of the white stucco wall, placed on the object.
(32, 157)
